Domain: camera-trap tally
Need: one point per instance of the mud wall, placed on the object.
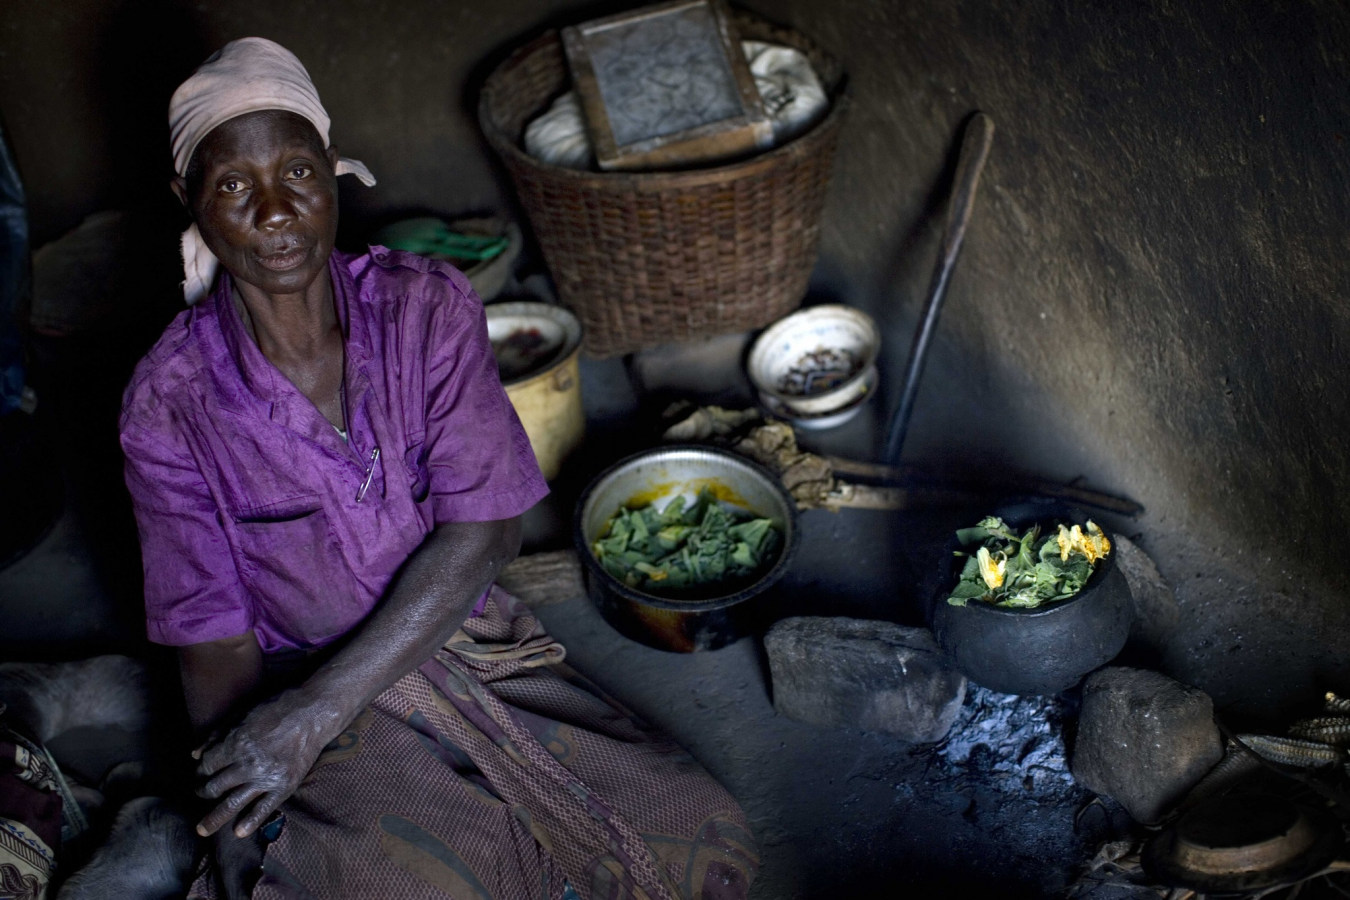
(1153, 296)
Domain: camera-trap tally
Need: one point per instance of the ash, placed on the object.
(1015, 744)
(1001, 780)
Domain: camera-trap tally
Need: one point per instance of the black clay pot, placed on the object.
(1044, 650)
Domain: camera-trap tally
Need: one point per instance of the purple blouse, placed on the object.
(255, 514)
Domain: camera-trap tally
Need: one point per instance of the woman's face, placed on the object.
(262, 190)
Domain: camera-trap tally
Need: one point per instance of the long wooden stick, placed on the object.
(923, 488)
(975, 143)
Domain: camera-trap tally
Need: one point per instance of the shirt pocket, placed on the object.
(292, 564)
(273, 512)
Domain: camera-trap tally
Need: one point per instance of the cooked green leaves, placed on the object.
(1023, 570)
(684, 545)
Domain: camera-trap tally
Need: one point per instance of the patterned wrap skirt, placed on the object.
(494, 772)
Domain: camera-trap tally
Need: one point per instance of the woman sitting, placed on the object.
(327, 477)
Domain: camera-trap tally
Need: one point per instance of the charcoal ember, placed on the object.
(1015, 743)
(1144, 740)
(841, 672)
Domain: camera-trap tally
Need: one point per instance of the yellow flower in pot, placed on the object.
(993, 571)
(1094, 545)
(1031, 607)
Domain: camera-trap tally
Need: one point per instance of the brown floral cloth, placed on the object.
(30, 815)
(494, 772)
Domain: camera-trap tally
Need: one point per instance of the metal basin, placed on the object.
(1044, 650)
(689, 622)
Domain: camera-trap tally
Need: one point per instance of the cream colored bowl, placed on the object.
(816, 361)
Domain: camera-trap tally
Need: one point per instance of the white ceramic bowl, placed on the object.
(822, 421)
(815, 361)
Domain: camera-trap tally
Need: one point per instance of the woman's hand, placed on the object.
(254, 767)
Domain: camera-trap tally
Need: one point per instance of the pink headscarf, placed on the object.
(248, 75)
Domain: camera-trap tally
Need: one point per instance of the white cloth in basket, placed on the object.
(792, 95)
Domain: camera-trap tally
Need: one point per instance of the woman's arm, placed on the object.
(255, 767)
(217, 677)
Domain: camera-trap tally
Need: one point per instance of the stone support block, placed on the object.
(1144, 740)
(840, 672)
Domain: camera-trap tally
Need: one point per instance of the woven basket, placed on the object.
(654, 257)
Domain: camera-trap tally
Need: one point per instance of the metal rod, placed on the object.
(975, 143)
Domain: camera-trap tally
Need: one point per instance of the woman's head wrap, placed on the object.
(248, 75)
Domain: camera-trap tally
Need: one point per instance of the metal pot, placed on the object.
(547, 396)
(657, 476)
(1043, 650)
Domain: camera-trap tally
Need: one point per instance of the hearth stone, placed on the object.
(1144, 740)
(1156, 613)
(841, 672)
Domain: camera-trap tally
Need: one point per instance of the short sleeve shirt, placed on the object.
(255, 514)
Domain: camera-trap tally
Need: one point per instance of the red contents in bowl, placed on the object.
(521, 352)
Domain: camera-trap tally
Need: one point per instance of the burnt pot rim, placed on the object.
(1163, 859)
